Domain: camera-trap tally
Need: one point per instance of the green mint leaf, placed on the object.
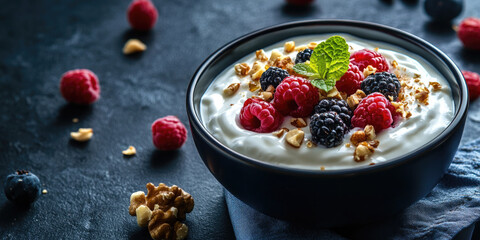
(304, 69)
(325, 85)
(331, 58)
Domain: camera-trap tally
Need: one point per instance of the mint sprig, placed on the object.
(328, 63)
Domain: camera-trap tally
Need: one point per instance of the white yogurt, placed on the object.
(220, 115)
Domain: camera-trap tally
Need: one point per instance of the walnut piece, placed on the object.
(130, 151)
(289, 46)
(421, 94)
(362, 152)
(266, 96)
(83, 134)
(162, 209)
(370, 132)
(231, 89)
(312, 45)
(436, 86)
(253, 86)
(261, 55)
(242, 69)
(133, 46)
(298, 122)
(358, 137)
(334, 93)
(369, 70)
(280, 132)
(274, 57)
(295, 137)
(354, 99)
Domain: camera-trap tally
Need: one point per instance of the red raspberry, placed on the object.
(142, 15)
(295, 96)
(259, 116)
(473, 83)
(350, 81)
(469, 33)
(375, 110)
(168, 133)
(80, 86)
(365, 57)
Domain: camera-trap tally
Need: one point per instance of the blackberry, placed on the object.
(383, 82)
(327, 129)
(22, 187)
(336, 105)
(303, 56)
(273, 76)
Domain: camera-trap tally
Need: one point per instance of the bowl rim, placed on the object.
(284, 169)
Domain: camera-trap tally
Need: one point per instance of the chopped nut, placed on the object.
(312, 45)
(416, 80)
(371, 164)
(130, 151)
(258, 74)
(133, 46)
(270, 88)
(334, 93)
(289, 46)
(280, 132)
(75, 120)
(394, 64)
(242, 69)
(298, 122)
(165, 207)
(266, 96)
(255, 67)
(44, 191)
(369, 70)
(362, 152)
(144, 214)
(322, 168)
(253, 86)
(83, 134)
(347, 145)
(416, 75)
(261, 55)
(375, 49)
(374, 143)
(231, 89)
(358, 137)
(300, 48)
(436, 86)
(310, 144)
(354, 99)
(274, 57)
(285, 63)
(295, 137)
(370, 132)
(421, 94)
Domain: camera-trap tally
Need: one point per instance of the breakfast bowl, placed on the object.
(332, 196)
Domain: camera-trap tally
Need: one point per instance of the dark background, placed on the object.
(89, 184)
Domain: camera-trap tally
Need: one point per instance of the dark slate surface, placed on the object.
(89, 184)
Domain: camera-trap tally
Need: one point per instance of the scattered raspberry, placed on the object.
(80, 86)
(296, 97)
(327, 129)
(260, 116)
(303, 56)
(335, 105)
(469, 33)
(473, 83)
(168, 133)
(273, 76)
(351, 80)
(383, 82)
(374, 110)
(142, 15)
(365, 57)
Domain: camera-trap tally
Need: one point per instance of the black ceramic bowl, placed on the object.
(333, 197)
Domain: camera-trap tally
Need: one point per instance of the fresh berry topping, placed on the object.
(260, 116)
(335, 105)
(296, 97)
(469, 33)
(350, 81)
(383, 82)
(374, 110)
(168, 133)
(80, 86)
(473, 83)
(365, 57)
(22, 187)
(303, 56)
(273, 76)
(443, 10)
(327, 129)
(142, 15)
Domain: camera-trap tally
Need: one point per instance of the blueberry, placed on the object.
(443, 10)
(22, 187)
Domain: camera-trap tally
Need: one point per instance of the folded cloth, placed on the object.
(454, 204)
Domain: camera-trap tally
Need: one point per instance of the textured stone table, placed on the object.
(89, 184)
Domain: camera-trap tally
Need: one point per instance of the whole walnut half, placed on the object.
(162, 209)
